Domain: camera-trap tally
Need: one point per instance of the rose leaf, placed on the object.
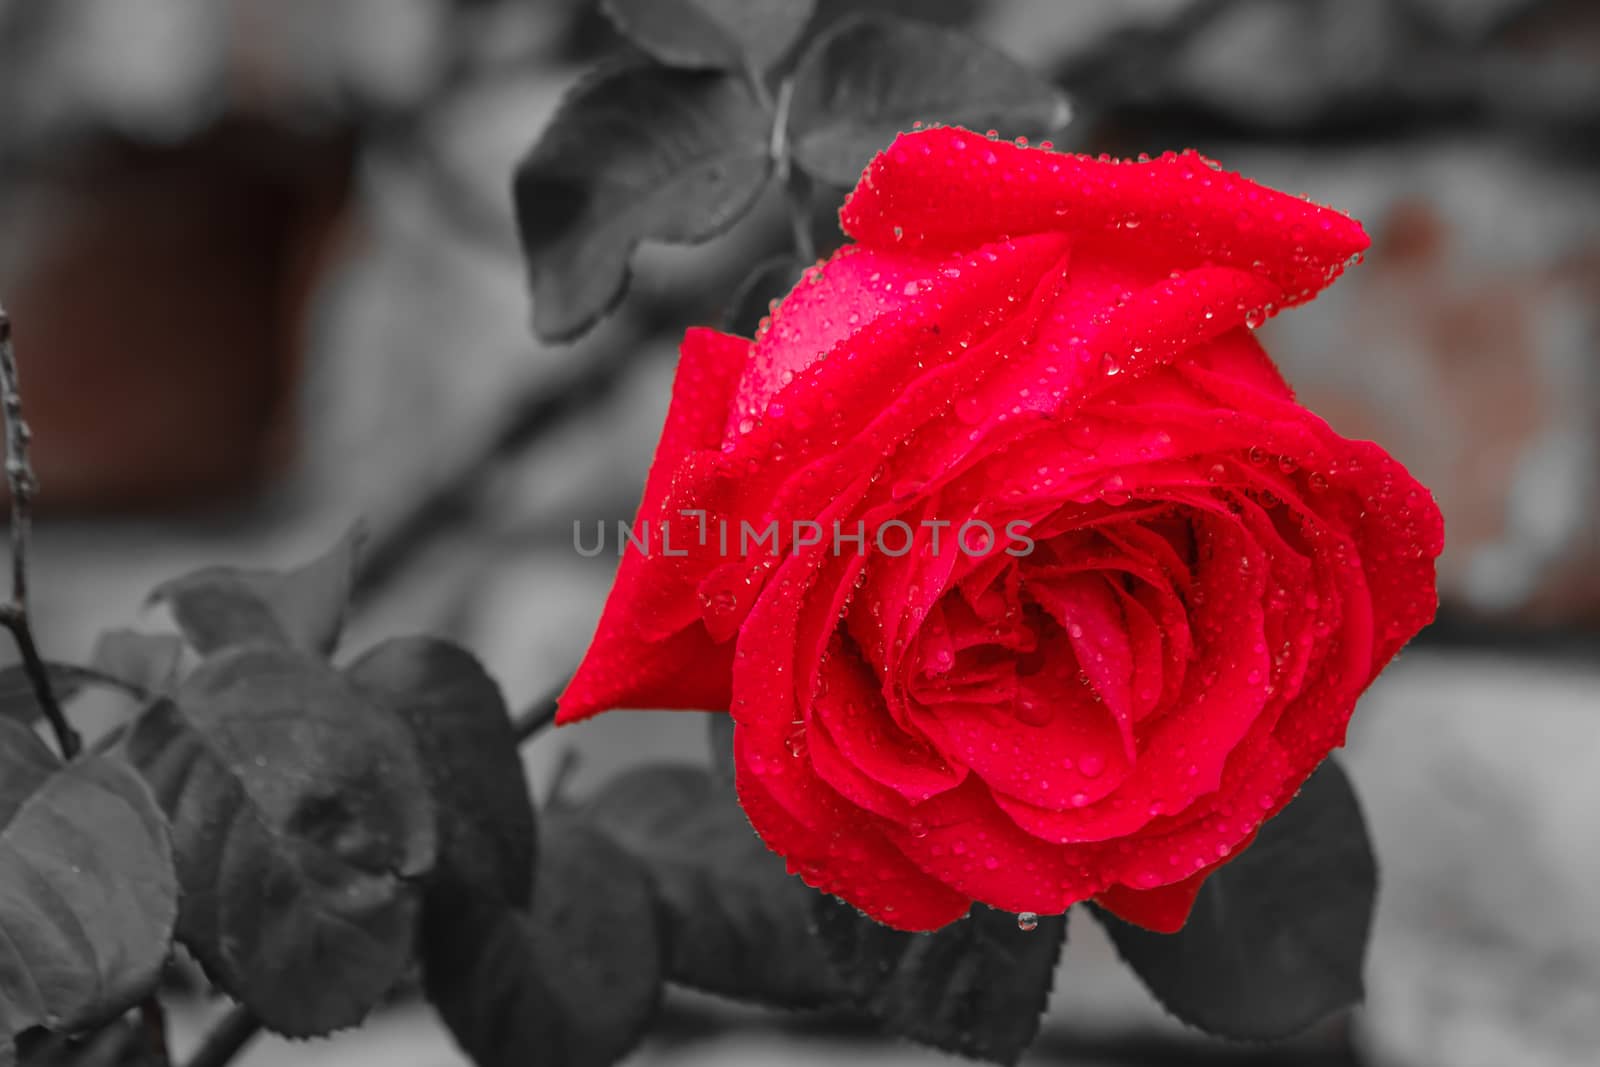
(302, 608)
(976, 987)
(149, 662)
(458, 718)
(1278, 937)
(873, 76)
(302, 825)
(712, 34)
(573, 982)
(740, 924)
(88, 895)
(633, 154)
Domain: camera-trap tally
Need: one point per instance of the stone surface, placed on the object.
(1481, 780)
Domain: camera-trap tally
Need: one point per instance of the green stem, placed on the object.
(531, 721)
(228, 1038)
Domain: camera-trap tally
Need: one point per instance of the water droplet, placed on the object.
(1027, 921)
(1092, 765)
(1085, 433)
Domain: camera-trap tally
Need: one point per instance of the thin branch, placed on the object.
(14, 615)
(225, 1041)
(567, 763)
(529, 722)
(18, 471)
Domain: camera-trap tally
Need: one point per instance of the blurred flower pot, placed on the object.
(159, 296)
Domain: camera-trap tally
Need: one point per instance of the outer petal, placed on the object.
(623, 667)
(832, 426)
(950, 188)
(1164, 909)
(833, 301)
(842, 853)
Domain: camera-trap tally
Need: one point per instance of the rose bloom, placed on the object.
(1215, 576)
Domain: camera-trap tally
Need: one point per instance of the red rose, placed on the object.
(1186, 582)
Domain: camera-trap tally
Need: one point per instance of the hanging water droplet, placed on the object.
(1027, 921)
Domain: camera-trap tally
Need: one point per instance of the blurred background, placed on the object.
(264, 280)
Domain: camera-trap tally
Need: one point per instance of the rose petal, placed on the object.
(854, 288)
(851, 710)
(622, 667)
(949, 188)
(1164, 909)
(839, 850)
